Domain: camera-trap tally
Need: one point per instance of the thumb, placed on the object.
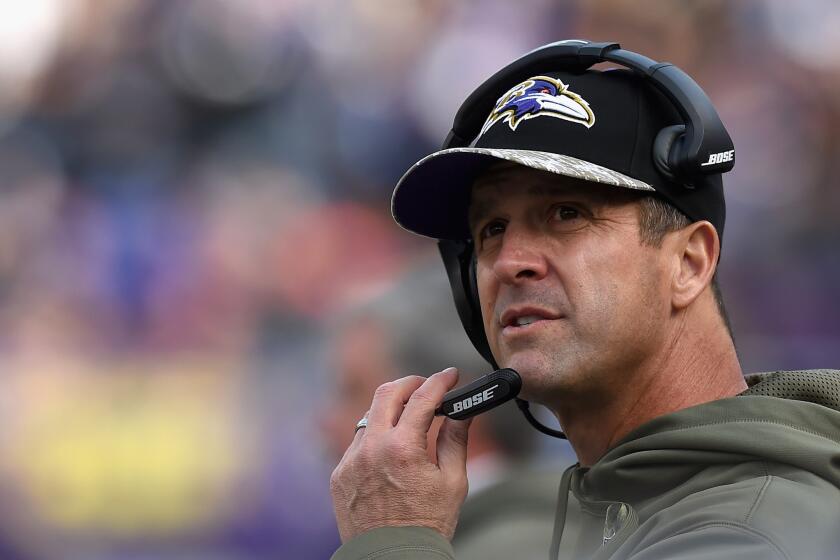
(452, 447)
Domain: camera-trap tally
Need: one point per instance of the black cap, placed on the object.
(599, 126)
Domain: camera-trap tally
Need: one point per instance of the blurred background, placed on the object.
(191, 190)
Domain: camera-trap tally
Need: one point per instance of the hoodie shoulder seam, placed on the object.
(739, 527)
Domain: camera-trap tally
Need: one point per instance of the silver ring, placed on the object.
(361, 424)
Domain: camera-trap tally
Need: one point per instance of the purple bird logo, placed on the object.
(536, 97)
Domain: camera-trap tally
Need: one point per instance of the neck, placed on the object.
(698, 366)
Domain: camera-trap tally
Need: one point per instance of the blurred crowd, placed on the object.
(192, 190)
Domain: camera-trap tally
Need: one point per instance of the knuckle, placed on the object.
(385, 390)
(415, 378)
(391, 388)
(457, 487)
(423, 396)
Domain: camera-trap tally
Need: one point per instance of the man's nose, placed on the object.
(520, 257)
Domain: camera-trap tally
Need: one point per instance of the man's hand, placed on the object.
(386, 477)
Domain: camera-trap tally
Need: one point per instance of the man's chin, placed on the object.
(525, 362)
(531, 370)
(542, 377)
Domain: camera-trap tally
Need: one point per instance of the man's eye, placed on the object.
(493, 228)
(565, 213)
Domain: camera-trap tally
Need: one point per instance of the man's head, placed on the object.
(635, 247)
(580, 283)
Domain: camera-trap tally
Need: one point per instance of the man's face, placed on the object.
(570, 297)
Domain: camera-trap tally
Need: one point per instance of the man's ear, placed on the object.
(697, 248)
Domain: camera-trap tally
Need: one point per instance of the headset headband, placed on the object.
(704, 132)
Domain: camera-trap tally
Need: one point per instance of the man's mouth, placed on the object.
(526, 320)
(518, 318)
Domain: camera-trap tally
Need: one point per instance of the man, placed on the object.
(411, 326)
(595, 277)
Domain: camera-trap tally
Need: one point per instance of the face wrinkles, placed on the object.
(489, 195)
(585, 277)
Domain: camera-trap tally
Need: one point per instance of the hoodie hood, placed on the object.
(787, 420)
(776, 419)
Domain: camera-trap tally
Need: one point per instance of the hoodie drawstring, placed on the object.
(560, 515)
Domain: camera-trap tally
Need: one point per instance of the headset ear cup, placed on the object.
(663, 146)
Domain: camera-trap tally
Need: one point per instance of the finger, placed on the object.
(420, 409)
(359, 430)
(389, 400)
(452, 447)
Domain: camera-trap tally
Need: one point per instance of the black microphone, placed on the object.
(481, 395)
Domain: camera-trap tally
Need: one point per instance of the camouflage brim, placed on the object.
(432, 198)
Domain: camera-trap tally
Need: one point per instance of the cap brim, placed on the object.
(432, 198)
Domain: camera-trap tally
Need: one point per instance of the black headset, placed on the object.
(678, 150)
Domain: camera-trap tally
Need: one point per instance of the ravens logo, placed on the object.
(536, 97)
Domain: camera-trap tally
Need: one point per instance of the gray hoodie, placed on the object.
(749, 477)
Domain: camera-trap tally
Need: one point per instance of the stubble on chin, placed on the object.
(548, 377)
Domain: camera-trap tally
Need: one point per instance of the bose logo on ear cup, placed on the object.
(720, 157)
